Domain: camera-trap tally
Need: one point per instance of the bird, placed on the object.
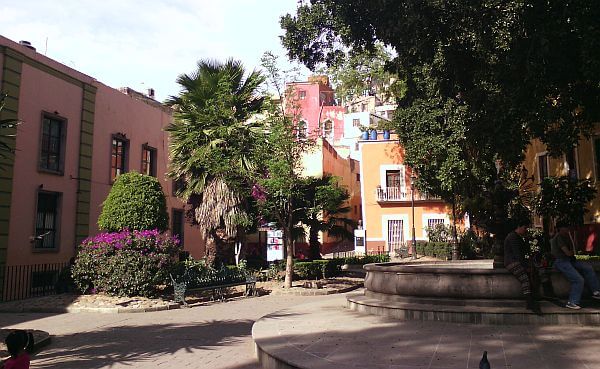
(39, 237)
(484, 363)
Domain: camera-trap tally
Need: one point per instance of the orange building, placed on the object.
(324, 159)
(387, 210)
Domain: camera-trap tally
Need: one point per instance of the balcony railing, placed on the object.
(399, 194)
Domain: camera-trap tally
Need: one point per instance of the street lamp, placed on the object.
(412, 204)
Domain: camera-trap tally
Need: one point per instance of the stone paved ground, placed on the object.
(323, 334)
(216, 335)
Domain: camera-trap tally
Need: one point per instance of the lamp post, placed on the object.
(412, 204)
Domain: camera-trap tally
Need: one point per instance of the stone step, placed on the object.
(504, 312)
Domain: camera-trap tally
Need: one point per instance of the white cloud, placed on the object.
(143, 44)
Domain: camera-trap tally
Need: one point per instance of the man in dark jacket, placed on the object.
(514, 261)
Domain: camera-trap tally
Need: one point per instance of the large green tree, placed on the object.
(482, 78)
(323, 206)
(357, 72)
(277, 187)
(211, 145)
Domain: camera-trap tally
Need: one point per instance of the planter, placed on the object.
(364, 135)
(386, 134)
(372, 134)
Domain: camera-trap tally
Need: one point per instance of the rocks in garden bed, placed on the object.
(313, 284)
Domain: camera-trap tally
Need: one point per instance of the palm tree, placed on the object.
(211, 146)
(323, 209)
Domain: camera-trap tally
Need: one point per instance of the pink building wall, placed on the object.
(48, 86)
(41, 92)
(318, 105)
(141, 123)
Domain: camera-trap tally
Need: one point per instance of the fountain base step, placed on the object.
(481, 311)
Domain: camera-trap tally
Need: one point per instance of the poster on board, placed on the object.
(275, 245)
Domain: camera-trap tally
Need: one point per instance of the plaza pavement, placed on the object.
(217, 335)
(318, 331)
(325, 335)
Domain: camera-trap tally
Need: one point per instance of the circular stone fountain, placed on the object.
(466, 291)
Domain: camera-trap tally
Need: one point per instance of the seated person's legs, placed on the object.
(577, 281)
(588, 274)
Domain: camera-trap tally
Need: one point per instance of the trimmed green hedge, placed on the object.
(442, 250)
(326, 268)
(136, 202)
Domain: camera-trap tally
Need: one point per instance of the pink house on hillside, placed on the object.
(315, 108)
(76, 134)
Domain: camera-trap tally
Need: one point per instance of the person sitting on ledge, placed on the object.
(514, 262)
(575, 271)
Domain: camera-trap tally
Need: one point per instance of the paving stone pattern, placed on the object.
(326, 335)
(217, 335)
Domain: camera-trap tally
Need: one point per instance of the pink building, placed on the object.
(315, 108)
(75, 136)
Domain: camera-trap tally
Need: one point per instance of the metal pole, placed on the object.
(414, 240)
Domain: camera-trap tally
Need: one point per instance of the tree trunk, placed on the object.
(211, 250)
(289, 265)
(314, 244)
(454, 235)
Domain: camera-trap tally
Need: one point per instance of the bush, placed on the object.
(318, 269)
(136, 201)
(127, 263)
(364, 259)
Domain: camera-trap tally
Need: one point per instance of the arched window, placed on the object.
(328, 128)
(302, 129)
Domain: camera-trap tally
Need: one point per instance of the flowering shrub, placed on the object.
(126, 263)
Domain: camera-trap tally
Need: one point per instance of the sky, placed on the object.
(147, 44)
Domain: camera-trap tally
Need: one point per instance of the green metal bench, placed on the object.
(218, 284)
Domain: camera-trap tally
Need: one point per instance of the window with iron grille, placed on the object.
(302, 94)
(47, 220)
(149, 160)
(355, 122)
(433, 222)
(395, 236)
(177, 223)
(52, 145)
(118, 162)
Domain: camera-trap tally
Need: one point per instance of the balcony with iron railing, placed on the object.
(400, 194)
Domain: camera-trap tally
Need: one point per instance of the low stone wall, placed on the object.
(465, 279)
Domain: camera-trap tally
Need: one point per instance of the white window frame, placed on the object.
(383, 169)
(427, 216)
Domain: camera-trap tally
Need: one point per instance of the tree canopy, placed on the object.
(482, 78)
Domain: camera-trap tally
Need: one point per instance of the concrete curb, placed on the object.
(314, 292)
(102, 310)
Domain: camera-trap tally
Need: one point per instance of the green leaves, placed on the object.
(564, 198)
(212, 142)
(137, 202)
